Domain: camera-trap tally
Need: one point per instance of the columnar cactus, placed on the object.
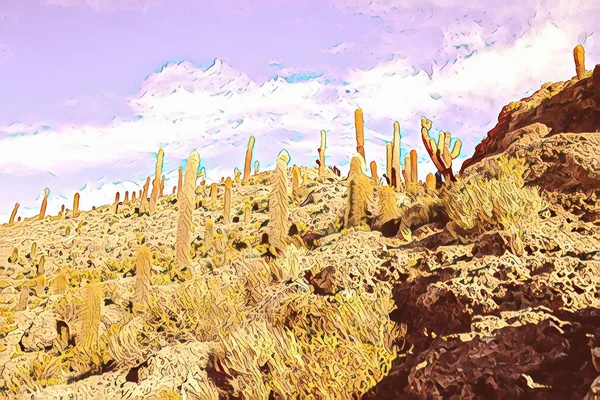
(90, 315)
(186, 203)
(388, 206)
(209, 236)
(44, 204)
(126, 199)
(430, 182)
(144, 196)
(248, 160)
(360, 132)
(440, 154)
(579, 56)
(23, 298)
(141, 286)
(133, 197)
(76, 205)
(116, 203)
(414, 163)
(179, 179)
(388, 161)
(162, 185)
(227, 201)
(406, 171)
(296, 180)
(33, 251)
(359, 193)
(237, 175)
(322, 150)
(247, 213)
(396, 171)
(156, 182)
(279, 203)
(374, 176)
(11, 220)
(41, 265)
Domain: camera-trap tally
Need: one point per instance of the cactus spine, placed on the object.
(11, 220)
(227, 201)
(248, 160)
(156, 183)
(186, 203)
(359, 193)
(360, 132)
(579, 56)
(141, 286)
(440, 153)
(322, 155)
(279, 202)
(44, 204)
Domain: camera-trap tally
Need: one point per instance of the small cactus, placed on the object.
(279, 202)
(256, 166)
(322, 150)
(179, 179)
(44, 204)
(396, 172)
(23, 298)
(116, 203)
(33, 252)
(126, 199)
(41, 265)
(141, 286)
(248, 160)
(374, 176)
(90, 315)
(359, 193)
(237, 175)
(15, 256)
(247, 213)
(209, 236)
(133, 197)
(414, 163)
(144, 196)
(295, 180)
(430, 183)
(579, 56)
(388, 160)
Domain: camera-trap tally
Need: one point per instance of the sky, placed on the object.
(91, 89)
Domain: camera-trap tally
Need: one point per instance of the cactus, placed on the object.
(44, 204)
(414, 163)
(279, 203)
(162, 185)
(90, 315)
(388, 207)
(247, 213)
(156, 182)
(23, 298)
(396, 171)
(33, 252)
(227, 201)
(209, 236)
(174, 190)
(15, 256)
(406, 171)
(141, 286)
(430, 182)
(213, 194)
(248, 160)
(76, 205)
(256, 166)
(440, 154)
(579, 56)
(133, 197)
(144, 196)
(322, 150)
(41, 265)
(141, 192)
(296, 180)
(360, 132)
(11, 220)
(40, 285)
(126, 199)
(374, 176)
(179, 179)
(237, 175)
(186, 204)
(359, 193)
(116, 203)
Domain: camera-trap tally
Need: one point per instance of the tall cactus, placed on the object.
(186, 203)
(414, 163)
(227, 201)
(322, 149)
(406, 172)
(156, 183)
(144, 196)
(115, 206)
(360, 132)
(248, 160)
(440, 153)
(388, 162)
(44, 204)
(396, 178)
(179, 179)
(279, 202)
(579, 56)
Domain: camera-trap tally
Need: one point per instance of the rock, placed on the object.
(40, 330)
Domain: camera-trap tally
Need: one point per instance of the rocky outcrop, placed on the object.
(556, 130)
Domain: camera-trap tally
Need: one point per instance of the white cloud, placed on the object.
(215, 110)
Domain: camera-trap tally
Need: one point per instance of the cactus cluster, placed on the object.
(440, 152)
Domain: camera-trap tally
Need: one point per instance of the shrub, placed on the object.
(497, 200)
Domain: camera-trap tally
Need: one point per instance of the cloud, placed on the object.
(215, 109)
(104, 5)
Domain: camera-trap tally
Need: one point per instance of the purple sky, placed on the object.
(76, 65)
